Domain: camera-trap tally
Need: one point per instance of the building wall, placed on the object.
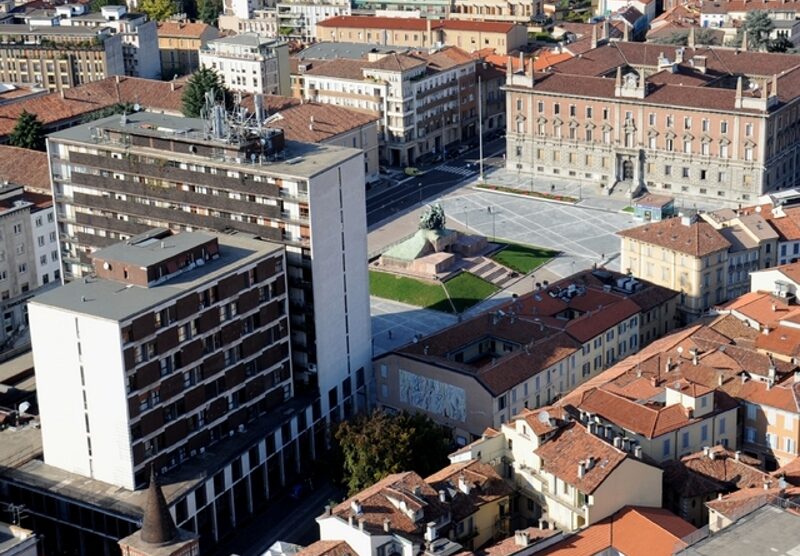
(146, 52)
(339, 255)
(502, 43)
(265, 72)
(517, 11)
(298, 19)
(764, 280)
(407, 38)
(56, 357)
(45, 246)
(633, 483)
(366, 139)
(702, 281)
(771, 434)
(655, 155)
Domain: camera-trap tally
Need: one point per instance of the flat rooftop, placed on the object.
(304, 160)
(767, 530)
(12, 29)
(346, 50)
(175, 484)
(145, 251)
(110, 300)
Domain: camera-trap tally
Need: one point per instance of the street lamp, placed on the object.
(466, 217)
(419, 185)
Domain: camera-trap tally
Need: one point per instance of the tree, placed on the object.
(194, 96)
(208, 11)
(374, 446)
(27, 132)
(158, 10)
(758, 26)
(781, 44)
(95, 5)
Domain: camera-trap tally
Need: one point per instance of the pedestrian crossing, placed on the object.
(454, 170)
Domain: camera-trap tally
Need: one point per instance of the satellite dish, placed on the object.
(106, 266)
(24, 407)
(680, 350)
(544, 417)
(193, 149)
(252, 157)
(136, 107)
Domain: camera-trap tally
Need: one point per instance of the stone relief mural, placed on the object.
(433, 396)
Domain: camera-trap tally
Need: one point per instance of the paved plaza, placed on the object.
(395, 324)
(584, 235)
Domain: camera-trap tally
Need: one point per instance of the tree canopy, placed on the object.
(204, 79)
(208, 11)
(376, 445)
(758, 26)
(158, 10)
(27, 132)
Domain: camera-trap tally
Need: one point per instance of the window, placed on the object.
(685, 440)
(540, 107)
(572, 110)
(685, 172)
(772, 440)
(52, 237)
(723, 126)
(40, 241)
(687, 123)
(588, 111)
(17, 229)
(556, 108)
(789, 445)
(722, 425)
(22, 268)
(651, 118)
(667, 170)
(666, 449)
(704, 433)
(748, 130)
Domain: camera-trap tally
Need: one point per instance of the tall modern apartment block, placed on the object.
(117, 177)
(175, 342)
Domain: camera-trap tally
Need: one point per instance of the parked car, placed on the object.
(412, 171)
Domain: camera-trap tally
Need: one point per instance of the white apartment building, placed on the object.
(249, 63)
(139, 36)
(261, 22)
(297, 19)
(425, 102)
(131, 374)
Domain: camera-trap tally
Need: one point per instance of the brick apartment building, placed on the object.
(705, 123)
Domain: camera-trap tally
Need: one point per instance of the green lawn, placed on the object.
(629, 209)
(523, 258)
(465, 290)
(406, 290)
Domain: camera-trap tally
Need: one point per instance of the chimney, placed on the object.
(463, 485)
(417, 490)
(720, 380)
(350, 520)
(431, 534)
(706, 450)
(116, 78)
(542, 524)
(737, 455)
(522, 538)
(442, 496)
(63, 93)
(626, 34)
(606, 30)
(712, 455)
(172, 86)
(695, 352)
(774, 91)
(626, 444)
(327, 510)
(590, 427)
(637, 452)
(509, 68)
(386, 525)
(429, 32)
(590, 463)
(361, 524)
(767, 484)
(744, 378)
(355, 505)
(581, 469)
(618, 442)
(745, 46)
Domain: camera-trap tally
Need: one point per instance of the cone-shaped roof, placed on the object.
(157, 524)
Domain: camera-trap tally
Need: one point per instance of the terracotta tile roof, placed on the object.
(633, 531)
(571, 445)
(482, 26)
(90, 97)
(396, 62)
(699, 475)
(648, 420)
(790, 472)
(486, 486)
(509, 546)
(591, 325)
(384, 501)
(762, 307)
(734, 329)
(697, 240)
(314, 123)
(327, 548)
(343, 69)
(546, 58)
(184, 29)
(791, 271)
(733, 505)
(25, 167)
(783, 340)
(543, 420)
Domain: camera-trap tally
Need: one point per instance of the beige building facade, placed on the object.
(696, 123)
(521, 12)
(179, 43)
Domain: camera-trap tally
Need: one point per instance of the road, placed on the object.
(412, 192)
(285, 519)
